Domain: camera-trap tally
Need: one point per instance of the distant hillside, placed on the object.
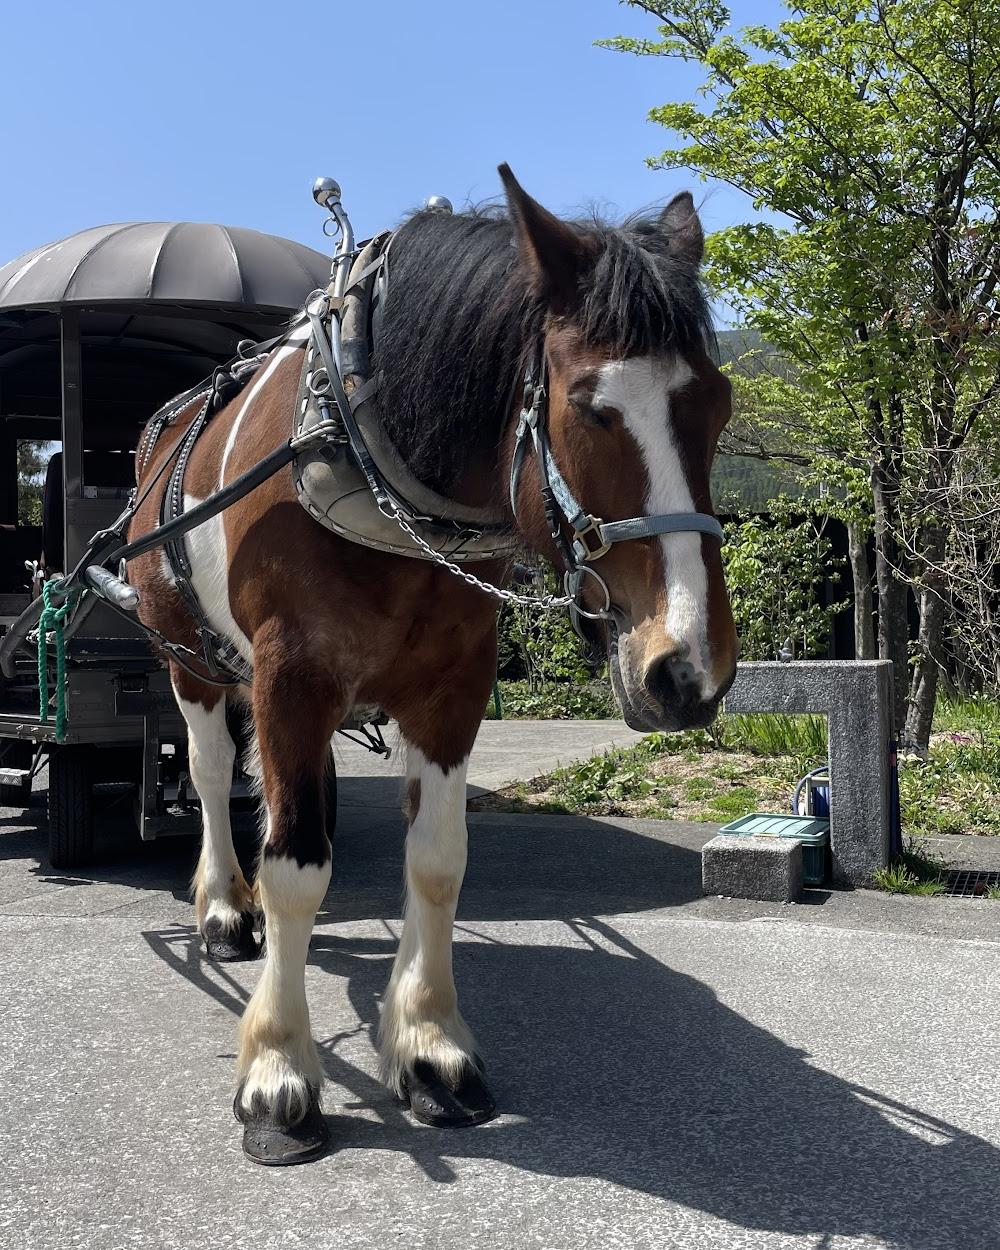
(742, 481)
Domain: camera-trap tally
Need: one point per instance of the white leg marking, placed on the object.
(640, 389)
(278, 1059)
(221, 891)
(420, 1019)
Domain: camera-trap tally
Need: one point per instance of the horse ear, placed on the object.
(555, 255)
(680, 223)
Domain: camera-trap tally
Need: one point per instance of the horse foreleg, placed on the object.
(222, 897)
(428, 1055)
(279, 1066)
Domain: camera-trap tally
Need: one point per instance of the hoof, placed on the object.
(227, 946)
(268, 1141)
(436, 1102)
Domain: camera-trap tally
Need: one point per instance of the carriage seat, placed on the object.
(109, 473)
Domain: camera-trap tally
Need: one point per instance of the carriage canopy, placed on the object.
(99, 329)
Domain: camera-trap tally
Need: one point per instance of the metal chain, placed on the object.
(549, 603)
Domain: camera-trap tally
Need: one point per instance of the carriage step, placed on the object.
(15, 776)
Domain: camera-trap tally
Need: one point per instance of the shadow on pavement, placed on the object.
(607, 1064)
(521, 867)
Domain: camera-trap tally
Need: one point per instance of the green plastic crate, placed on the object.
(812, 831)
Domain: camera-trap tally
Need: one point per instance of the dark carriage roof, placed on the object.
(181, 263)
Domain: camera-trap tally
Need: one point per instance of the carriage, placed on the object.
(97, 331)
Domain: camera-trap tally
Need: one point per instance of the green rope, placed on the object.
(52, 621)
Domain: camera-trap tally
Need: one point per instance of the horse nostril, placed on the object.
(671, 679)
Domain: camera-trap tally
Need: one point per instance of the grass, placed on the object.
(711, 775)
(750, 763)
(957, 789)
(915, 872)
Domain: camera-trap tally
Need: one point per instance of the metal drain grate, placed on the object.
(970, 882)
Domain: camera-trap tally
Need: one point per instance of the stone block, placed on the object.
(856, 697)
(769, 869)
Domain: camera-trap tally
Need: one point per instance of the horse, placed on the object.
(618, 317)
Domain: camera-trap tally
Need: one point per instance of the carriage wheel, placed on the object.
(71, 807)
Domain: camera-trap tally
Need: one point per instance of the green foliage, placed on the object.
(898, 879)
(869, 136)
(957, 788)
(766, 733)
(590, 700)
(775, 568)
(615, 776)
(31, 462)
(915, 872)
(540, 647)
(956, 791)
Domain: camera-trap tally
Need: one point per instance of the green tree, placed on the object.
(776, 569)
(871, 134)
(31, 462)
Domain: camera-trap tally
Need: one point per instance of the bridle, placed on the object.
(590, 537)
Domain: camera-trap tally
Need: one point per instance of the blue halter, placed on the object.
(592, 537)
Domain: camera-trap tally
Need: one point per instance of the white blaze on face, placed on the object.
(640, 389)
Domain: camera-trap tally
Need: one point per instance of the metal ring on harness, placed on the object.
(576, 575)
(319, 382)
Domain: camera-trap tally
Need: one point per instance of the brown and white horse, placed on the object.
(636, 406)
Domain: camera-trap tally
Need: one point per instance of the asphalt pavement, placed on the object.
(673, 1070)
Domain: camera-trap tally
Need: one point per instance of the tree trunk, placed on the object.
(927, 662)
(864, 627)
(892, 624)
(924, 682)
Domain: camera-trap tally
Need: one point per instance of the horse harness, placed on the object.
(351, 479)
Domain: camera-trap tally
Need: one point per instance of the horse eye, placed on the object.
(583, 407)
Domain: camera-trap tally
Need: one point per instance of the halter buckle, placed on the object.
(591, 550)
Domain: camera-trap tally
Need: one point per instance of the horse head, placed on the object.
(635, 408)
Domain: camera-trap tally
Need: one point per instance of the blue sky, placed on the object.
(223, 111)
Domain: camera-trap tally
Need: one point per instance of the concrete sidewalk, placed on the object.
(505, 751)
(674, 1071)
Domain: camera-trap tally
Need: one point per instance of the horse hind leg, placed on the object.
(279, 1068)
(223, 899)
(427, 1053)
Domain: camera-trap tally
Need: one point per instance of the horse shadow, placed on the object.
(608, 1064)
(576, 863)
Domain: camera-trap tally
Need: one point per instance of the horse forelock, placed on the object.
(461, 322)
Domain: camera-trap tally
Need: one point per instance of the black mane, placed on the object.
(461, 323)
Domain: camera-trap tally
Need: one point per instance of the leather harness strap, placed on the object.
(532, 433)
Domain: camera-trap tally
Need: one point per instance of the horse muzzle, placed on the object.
(668, 695)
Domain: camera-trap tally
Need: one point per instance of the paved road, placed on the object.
(674, 1071)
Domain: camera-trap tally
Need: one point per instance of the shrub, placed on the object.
(540, 647)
